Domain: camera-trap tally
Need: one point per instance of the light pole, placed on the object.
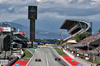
(61, 35)
(62, 39)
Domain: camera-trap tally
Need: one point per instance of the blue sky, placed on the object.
(51, 13)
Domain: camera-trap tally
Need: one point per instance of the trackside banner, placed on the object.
(5, 29)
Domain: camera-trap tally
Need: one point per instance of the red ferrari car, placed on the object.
(57, 59)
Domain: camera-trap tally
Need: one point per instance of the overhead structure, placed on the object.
(32, 15)
(75, 27)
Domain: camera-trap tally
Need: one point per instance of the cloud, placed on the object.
(73, 1)
(1, 1)
(51, 13)
(38, 0)
(19, 2)
(72, 11)
(10, 17)
(15, 9)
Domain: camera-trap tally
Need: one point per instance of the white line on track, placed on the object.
(47, 60)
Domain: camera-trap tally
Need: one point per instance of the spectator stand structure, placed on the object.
(9, 41)
(80, 49)
(5, 42)
(19, 42)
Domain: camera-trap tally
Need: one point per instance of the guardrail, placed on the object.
(4, 62)
(12, 61)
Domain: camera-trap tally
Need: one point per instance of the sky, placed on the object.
(51, 12)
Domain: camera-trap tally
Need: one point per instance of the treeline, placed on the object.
(58, 41)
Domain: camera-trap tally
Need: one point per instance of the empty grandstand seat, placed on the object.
(90, 39)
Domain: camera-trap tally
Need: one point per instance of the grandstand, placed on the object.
(85, 49)
(19, 42)
(20, 38)
(5, 33)
(91, 43)
(75, 27)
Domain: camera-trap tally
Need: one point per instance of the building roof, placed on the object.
(67, 24)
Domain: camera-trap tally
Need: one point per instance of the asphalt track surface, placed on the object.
(47, 56)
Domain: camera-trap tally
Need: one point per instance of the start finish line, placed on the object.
(45, 41)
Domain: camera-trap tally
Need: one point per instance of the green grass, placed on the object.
(60, 52)
(96, 62)
(28, 55)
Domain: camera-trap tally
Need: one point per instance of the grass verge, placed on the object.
(96, 62)
(27, 54)
(60, 52)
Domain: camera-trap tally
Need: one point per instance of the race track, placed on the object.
(47, 56)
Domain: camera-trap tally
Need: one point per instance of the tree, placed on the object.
(82, 36)
(57, 41)
(99, 31)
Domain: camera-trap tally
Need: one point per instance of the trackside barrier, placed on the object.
(22, 53)
(77, 59)
(68, 53)
(82, 61)
(15, 59)
(4, 62)
(12, 62)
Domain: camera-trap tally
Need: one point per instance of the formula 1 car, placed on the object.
(57, 59)
(38, 60)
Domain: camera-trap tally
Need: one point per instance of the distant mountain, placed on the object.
(39, 33)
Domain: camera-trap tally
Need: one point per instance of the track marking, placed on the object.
(47, 60)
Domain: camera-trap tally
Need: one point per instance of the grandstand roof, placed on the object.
(67, 23)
